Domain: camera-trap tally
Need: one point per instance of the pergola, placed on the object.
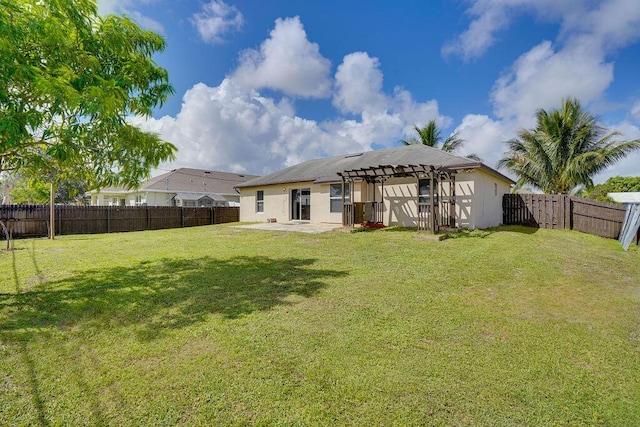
(437, 212)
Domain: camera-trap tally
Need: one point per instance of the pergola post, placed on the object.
(452, 198)
(432, 204)
(382, 202)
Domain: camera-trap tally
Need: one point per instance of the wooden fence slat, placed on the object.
(33, 220)
(562, 211)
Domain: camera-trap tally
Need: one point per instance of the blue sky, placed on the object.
(261, 85)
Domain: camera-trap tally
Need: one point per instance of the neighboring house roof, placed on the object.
(326, 170)
(627, 197)
(187, 180)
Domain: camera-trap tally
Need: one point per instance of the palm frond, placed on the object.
(564, 151)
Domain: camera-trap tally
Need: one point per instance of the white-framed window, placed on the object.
(335, 197)
(260, 201)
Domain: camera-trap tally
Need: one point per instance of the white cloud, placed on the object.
(485, 137)
(359, 91)
(490, 17)
(575, 65)
(359, 84)
(229, 128)
(541, 78)
(129, 8)
(216, 19)
(287, 62)
(630, 165)
(232, 127)
(480, 35)
(635, 111)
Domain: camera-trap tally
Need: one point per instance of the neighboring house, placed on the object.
(395, 186)
(181, 187)
(626, 198)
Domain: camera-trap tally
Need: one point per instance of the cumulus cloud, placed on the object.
(235, 127)
(490, 17)
(576, 64)
(359, 84)
(287, 61)
(485, 137)
(215, 20)
(230, 128)
(542, 77)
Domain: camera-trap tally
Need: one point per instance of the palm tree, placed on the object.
(564, 150)
(430, 135)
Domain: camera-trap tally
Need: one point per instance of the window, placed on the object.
(260, 201)
(424, 191)
(335, 196)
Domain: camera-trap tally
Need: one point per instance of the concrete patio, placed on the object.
(300, 227)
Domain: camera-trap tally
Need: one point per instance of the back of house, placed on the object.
(396, 182)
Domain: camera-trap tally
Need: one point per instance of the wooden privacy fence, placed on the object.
(33, 220)
(561, 211)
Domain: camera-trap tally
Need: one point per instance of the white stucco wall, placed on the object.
(277, 203)
(400, 202)
(152, 198)
(478, 201)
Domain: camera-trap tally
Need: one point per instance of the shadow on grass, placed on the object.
(152, 296)
(163, 294)
(483, 233)
(464, 233)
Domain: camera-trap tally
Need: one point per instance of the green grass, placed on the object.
(222, 326)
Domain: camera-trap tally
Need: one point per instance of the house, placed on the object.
(397, 186)
(181, 187)
(626, 198)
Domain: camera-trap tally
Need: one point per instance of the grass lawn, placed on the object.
(222, 326)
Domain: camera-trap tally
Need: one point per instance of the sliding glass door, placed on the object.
(301, 204)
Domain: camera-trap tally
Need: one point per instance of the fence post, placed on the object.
(212, 217)
(182, 217)
(147, 226)
(570, 212)
(108, 219)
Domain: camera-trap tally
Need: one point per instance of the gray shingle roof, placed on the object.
(192, 181)
(326, 169)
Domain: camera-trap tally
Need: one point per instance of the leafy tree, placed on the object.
(565, 150)
(616, 184)
(30, 192)
(37, 191)
(430, 135)
(70, 79)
